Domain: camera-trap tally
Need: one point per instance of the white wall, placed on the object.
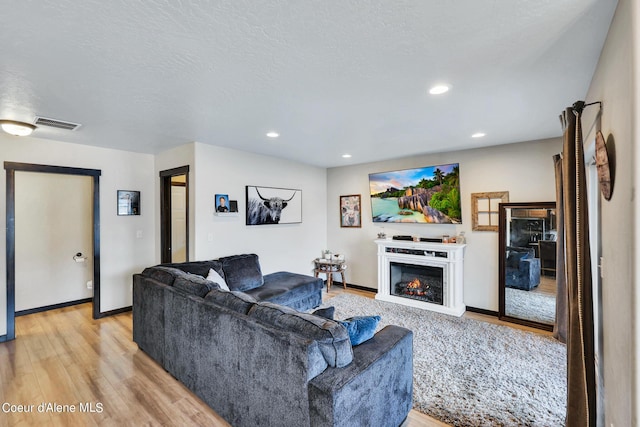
(523, 169)
(613, 85)
(122, 254)
(289, 247)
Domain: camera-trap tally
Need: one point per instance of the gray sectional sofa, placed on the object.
(257, 360)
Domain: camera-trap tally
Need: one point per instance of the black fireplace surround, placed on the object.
(419, 282)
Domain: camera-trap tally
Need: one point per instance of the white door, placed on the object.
(53, 222)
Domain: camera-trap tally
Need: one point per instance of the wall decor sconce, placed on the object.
(17, 128)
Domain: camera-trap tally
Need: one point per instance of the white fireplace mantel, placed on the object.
(448, 256)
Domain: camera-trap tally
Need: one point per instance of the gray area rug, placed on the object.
(530, 305)
(472, 373)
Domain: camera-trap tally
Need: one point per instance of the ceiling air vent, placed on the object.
(59, 124)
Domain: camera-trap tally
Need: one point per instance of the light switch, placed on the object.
(138, 234)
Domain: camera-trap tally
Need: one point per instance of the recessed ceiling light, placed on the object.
(273, 134)
(478, 135)
(346, 156)
(439, 89)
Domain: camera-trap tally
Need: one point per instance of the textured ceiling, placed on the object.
(330, 76)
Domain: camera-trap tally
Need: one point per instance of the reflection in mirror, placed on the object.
(527, 263)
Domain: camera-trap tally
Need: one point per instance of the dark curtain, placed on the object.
(560, 327)
(574, 274)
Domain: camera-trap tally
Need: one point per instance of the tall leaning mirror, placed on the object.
(527, 263)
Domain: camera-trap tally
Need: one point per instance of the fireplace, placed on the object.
(426, 275)
(419, 282)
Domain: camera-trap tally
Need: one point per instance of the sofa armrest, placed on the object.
(375, 389)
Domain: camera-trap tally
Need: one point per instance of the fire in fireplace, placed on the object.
(419, 282)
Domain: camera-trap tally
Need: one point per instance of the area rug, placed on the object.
(530, 305)
(472, 373)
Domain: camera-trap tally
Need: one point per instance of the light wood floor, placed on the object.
(64, 357)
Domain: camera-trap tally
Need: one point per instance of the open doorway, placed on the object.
(94, 241)
(174, 215)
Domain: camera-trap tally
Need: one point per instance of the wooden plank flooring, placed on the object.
(64, 357)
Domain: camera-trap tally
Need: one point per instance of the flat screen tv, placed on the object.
(428, 195)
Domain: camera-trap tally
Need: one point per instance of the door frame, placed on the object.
(165, 211)
(11, 168)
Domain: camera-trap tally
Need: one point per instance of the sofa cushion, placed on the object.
(326, 312)
(286, 288)
(332, 338)
(194, 284)
(164, 274)
(360, 328)
(236, 301)
(201, 268)
(242, 272)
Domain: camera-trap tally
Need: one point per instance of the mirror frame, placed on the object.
(502, 245)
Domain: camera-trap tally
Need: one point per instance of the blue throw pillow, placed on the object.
(360, 328)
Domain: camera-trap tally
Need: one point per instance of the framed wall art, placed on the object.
(427, 195)
(485, 207)
(128, 202)
(269, 205)
(222, 202)
(350, 211)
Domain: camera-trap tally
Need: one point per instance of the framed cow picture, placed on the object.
(269, 205)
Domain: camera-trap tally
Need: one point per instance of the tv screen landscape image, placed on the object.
(428, 195)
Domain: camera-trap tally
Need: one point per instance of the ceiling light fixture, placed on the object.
(478, 135)
(273, 134)
(346, 156)
(439, 89)
(17, 128)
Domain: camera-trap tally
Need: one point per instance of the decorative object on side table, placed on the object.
(350, 211)
(268, 205)
(128, 202)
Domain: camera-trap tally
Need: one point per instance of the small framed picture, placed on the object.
(350, 212)
(233, 206)
(128, 202)
(222, 203)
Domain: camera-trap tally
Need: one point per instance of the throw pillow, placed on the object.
(242, 272)
(360, 328)
(201, 268)
(326, 312)
(217, 278)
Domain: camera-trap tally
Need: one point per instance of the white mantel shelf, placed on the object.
(448, 256)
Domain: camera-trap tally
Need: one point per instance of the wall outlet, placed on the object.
(90, 284)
